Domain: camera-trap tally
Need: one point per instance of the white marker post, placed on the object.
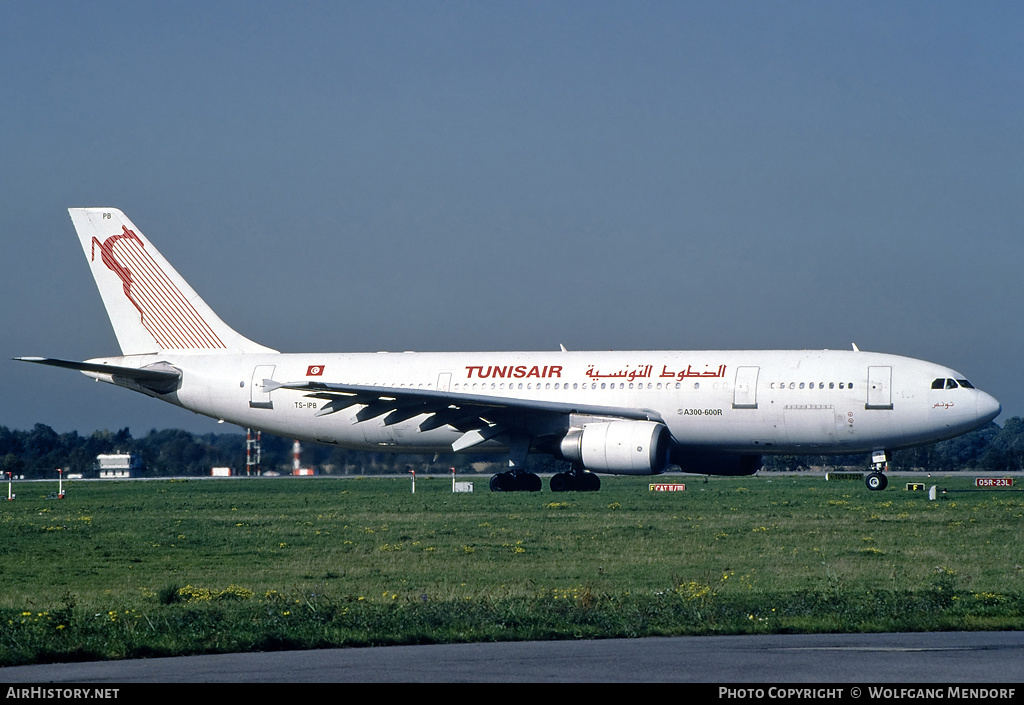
(413, 481)
(60, 483)
(453, 480)
(10, 487)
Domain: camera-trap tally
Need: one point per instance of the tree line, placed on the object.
(38, 452)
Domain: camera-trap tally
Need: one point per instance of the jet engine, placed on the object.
(623, 447)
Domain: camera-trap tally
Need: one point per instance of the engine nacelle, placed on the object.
(623, 447)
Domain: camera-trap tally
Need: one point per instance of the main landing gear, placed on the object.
(572, 481)
(876, 480)
(515, 482)
(576, 480)
(516, 479)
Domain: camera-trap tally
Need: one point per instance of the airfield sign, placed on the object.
(994, 482)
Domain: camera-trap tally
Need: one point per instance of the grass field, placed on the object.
(128, 569)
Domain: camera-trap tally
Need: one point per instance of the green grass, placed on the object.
(127, 569)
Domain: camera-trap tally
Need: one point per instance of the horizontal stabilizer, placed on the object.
(160, 377)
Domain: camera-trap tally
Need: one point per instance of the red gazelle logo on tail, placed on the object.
(166, 312)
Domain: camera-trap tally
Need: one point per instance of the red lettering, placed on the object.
(509, 371)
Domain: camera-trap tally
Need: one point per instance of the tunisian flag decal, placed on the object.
(314, 370)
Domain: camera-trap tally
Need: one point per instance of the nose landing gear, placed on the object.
(876, 480)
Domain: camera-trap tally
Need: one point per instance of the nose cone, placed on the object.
(988, 407)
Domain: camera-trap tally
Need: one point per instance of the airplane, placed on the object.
(710, 412)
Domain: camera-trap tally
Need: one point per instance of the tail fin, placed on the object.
(151, 307)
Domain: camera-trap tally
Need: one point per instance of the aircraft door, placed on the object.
(259, 398)
(745, 389)
(879, 388)
(444, 382)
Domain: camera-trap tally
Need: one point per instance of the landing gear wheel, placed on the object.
(876, 481)
(576, 481)
(515, 482)
(561, 482)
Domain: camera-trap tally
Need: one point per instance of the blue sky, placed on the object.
(349, 176)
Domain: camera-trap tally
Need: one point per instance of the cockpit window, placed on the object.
(945, 383)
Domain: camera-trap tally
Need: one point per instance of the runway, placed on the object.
(854, 659)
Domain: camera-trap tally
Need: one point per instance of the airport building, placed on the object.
(118, 466)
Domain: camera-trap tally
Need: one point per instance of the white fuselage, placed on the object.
(735, 401)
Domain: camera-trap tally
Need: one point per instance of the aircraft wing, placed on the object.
(480, 417)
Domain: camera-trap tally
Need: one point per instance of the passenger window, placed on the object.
(831, 385)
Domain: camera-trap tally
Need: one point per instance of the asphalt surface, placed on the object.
(854, 659)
